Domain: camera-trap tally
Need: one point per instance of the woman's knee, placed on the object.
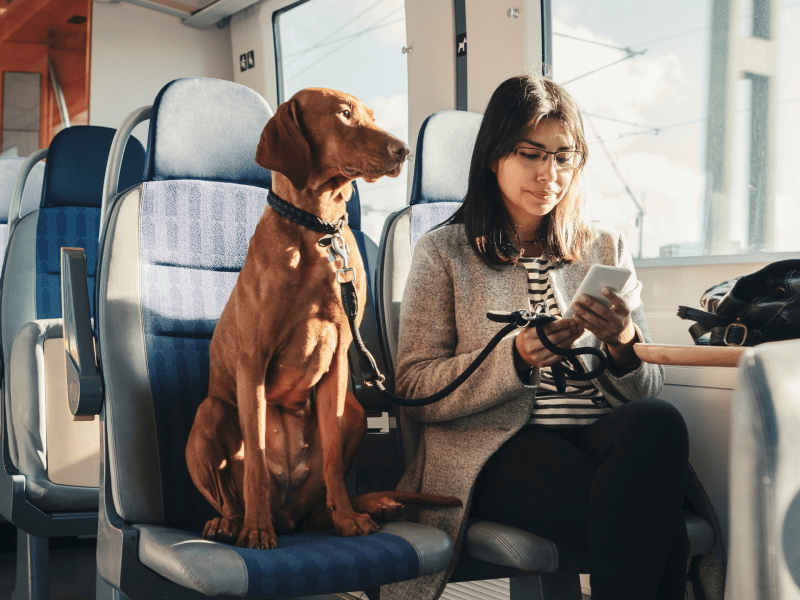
(658, 422)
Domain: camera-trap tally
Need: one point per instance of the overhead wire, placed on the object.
(350, 39)
(338, 29)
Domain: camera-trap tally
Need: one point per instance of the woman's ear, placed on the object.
(493, 166)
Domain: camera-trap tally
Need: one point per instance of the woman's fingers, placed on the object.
(607, 323)
(562, 333)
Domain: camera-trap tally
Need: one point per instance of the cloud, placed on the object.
(670, 194)
(391, 114)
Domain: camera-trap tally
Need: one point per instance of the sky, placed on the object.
(639, 73)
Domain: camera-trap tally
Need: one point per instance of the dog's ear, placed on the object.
(283, 146)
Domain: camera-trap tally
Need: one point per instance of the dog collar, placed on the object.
(302, 217)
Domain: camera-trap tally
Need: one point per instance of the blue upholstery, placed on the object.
(354, 210)
(195, 134)
(71, 197)
(443, 155)
(76, 166)
(71, 227)
(194, 239)
(316, 563)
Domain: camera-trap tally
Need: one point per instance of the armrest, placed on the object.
(84, 385)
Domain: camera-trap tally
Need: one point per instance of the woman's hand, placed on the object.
(612, 325)
(562, 332)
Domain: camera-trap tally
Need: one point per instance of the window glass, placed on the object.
(355, 47)
(692, 112)
(21, 113)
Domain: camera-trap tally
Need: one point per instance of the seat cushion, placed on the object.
(303, 564)
(513, 547)
(509, 546)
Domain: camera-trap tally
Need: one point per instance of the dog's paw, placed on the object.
(352, 524)
(380, 508)
(257, 539)
(220, 529)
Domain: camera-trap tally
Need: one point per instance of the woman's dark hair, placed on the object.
(519, 103)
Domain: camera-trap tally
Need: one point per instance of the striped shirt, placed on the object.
(582, 403)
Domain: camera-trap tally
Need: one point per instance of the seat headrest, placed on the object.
(207, 129)
(76, 166)
(442, 159)
(31, 195)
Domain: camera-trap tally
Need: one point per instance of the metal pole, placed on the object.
(60, 101)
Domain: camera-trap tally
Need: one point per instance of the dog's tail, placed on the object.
(416, 498)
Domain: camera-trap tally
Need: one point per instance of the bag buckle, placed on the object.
(727, 330)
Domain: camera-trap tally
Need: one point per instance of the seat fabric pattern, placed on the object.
(194, 239)
(320, 563)
(70, 226)
(428, 216)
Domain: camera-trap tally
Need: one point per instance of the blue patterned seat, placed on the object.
(173, 249)
(48, 483)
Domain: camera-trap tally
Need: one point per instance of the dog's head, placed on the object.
(321, 134)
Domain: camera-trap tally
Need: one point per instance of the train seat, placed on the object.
(536, 567)
(32, 191)
(764, 560)
(48, 484)
(172, 251)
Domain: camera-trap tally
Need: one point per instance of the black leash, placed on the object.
(518, 319)
(570, 367)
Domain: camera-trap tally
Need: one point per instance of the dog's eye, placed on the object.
(346, 114)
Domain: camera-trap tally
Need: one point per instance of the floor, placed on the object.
(72, 566)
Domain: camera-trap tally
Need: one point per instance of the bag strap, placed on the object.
(705, 321)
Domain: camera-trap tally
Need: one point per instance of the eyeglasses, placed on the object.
(564, 160)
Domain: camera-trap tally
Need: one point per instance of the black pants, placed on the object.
(613, 490)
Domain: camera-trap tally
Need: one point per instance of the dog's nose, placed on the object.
(399, 148)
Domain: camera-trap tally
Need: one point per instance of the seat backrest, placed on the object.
(441, 170)
(172, 253)
(67, 214)
(31, 196)
(764, 560)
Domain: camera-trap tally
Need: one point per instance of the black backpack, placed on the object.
(761, 307)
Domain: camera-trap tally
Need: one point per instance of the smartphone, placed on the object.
(599, 277)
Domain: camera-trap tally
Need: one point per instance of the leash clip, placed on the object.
(343, 274)
(337, 248)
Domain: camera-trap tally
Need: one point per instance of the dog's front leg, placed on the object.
(257, 529)
(332, 415)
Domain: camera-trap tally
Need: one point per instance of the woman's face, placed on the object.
(533, 182)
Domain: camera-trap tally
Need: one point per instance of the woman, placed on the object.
(588, 468)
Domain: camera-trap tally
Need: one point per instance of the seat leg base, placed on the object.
(33, 568)
(551, 586)
(103, 591)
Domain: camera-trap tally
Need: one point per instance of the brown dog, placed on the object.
(271, 444)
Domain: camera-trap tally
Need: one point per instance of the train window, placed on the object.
(355, 47)
(692, 111)
(21, 113)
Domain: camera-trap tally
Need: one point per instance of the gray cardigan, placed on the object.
(443, 327)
